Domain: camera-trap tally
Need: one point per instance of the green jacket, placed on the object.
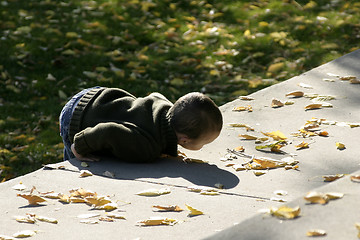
(111, 121)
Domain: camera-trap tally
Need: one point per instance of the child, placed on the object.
(111, 122)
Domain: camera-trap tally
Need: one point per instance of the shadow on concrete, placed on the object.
(197, 173)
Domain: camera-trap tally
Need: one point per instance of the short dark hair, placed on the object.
(195, 114)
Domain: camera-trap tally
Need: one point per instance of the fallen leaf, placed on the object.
(315, 197)
(281, 192)
(259, 173)
(246, 98)
(285, 212)
(274, 147)
(248, 128)
(295, 94)
(64, 198)
(98, 200)
(169, 208)
(46, 219)
(323, 133)
(276, 135)
(106, 219)
(155, 221)
(3, 237)
(355, 178)
(107, 207)
(29, 218)
(209, 193)
(246, 108)
(357, 225)
(115, 216)
(313, 106)
(316, 232)
(347, 78)
(275, 103)
(334, 195)
(109, 174)
(248, 137)
(32, 199)
(85, 173)
(240, 149)
(302, 145)
(19, 187)
(89, 221)
(330, 178)
(25, 234)
(154, 192)
(193, 211)
(340, 146)
(196, 188)
(304, 85)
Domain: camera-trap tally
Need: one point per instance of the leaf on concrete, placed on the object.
(155, 221)
(154, 192)
(32, 198)
(340, 146)
(295, 94)
(46, 219)
(85, 173)
(330, 178)
(355, 178)
(316, 197)
(275, 103)
(248, 136)
(302, 145)
(285, 212)
(276, 135)
(316, 233)
(313, 106)
(168, 208)
(25, 234)
(193, 211)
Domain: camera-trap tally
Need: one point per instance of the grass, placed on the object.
(49, 50)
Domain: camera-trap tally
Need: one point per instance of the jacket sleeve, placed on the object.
(125, 141)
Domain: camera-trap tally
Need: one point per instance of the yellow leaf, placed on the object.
(248, 137)
(32, 199)
(71, 35)
(209, 193)
(85, 173)
(46, 219)
(246, 98)
(316, 232)
(24, 234)
(193, 211)
(263, 24)
(170, 208)
(239, 109)
(259, 173)
(239, 149)
(214, 72)
(201, 189)
(313, 106)
(275, 67)
(154, 221)
(115, 215)
(28, 219)
(295, 94)
(98, 200)
(266, 163)
(276, 135)
(302, 145)
(107, 207)
(357, 225)
(64, 198)
(340, 146)
(285, 212)
(154, 192)
(334, 195)
(315, 197)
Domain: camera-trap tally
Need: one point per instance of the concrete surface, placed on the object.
(244, 193)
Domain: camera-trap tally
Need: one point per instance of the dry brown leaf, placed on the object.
(64, 198)
(330, 178)
(32, 198)
(316, 232)
(285, 212)
(295, 94)
(348, 78)
(85, 173)
(169, 208)
(323, 133)
(98, 200)
(107, 207)
(246, 98)
(4, 237)
(354, 81)
(275, 103)
(29, 218)
(115, 216)
(243, 108)
(355, 178)
(46, 219)
(106, 219)
(80, 192)
(155, 221)
(313, 106)
(209, 193)
(196, 188)
(239, 149)
(259, 173)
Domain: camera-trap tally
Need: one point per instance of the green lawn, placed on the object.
(49, 50)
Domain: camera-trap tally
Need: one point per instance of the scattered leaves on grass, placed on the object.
(154, 192)
(316, 233)
(193, 211)
(155, 221)
(330, 178)
(168, 208)
(285, 212)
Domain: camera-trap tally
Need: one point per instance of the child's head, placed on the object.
(196, 120)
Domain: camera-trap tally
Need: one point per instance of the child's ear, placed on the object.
(182, 138)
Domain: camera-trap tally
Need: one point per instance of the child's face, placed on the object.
(197, 144)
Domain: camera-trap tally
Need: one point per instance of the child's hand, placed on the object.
(80, 157)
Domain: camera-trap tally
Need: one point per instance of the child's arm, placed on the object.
(80, 157)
